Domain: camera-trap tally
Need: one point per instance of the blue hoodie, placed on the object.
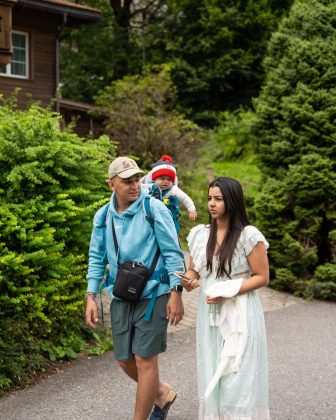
(138, 241)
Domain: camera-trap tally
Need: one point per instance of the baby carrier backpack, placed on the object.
(171, 202)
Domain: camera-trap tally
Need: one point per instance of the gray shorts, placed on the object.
(132, 335)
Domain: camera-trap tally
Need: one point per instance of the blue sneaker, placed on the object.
(162, 413)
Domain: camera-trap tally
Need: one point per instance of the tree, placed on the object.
(295, 134)
(216, 48)
(94, 56)
(139, 112)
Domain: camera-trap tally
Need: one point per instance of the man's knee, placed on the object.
(146, 363)
(126, 364)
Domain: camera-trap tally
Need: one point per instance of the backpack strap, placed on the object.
(106, 212)
(156, 192)
(147, 209)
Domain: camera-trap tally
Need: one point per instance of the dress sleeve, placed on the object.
(252, 237)
(197, 241)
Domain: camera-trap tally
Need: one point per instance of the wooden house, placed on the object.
(30, 32)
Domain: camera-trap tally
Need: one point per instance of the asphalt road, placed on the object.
(302, 362)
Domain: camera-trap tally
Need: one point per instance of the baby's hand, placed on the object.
(192, 215)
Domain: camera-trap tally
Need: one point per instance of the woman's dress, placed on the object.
(243, 394)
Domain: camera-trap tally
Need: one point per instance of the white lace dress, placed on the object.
(243, 394)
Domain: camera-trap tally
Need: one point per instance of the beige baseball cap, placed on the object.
(124, 167)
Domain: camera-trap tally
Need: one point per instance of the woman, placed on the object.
(229, 262)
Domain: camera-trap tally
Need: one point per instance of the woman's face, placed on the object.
(216, 204)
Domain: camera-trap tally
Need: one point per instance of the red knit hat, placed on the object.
(166, 157)
(164, 170)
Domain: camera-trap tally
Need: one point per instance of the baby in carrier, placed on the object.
(162, 183)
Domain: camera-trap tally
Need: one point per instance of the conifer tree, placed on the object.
(295, 133)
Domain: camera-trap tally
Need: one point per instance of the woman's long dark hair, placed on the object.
(233, 197)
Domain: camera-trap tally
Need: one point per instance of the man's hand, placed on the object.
(175, 310)
(91, 314)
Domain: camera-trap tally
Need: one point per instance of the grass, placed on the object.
(247, 173)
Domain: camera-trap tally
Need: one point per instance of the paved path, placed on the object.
(301, 341)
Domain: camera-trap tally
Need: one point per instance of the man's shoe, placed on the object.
(162, 413)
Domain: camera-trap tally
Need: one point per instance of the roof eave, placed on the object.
(80, 14)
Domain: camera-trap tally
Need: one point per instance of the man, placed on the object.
(137, 341)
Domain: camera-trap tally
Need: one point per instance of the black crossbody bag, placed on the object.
(132, 276)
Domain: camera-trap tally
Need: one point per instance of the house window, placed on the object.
(19, 64)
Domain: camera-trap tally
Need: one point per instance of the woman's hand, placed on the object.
(188, 282)
(213, 300)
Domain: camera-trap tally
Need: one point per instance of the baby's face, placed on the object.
(164, 182)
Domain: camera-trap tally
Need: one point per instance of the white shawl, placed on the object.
(232, 323)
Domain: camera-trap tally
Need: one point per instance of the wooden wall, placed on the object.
(41, 84)
(83, 123)
(43, 28)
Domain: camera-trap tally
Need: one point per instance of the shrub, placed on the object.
(51, 182)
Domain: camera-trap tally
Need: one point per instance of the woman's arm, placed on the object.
(193, 277)
(259, 266)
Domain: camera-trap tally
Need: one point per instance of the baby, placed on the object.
(164, 176)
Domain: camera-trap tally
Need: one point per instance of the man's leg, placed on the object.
(130, 368)
(145, 340)
(148, 368)
(148, 386)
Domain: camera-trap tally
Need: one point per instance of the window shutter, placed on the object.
(5, 32)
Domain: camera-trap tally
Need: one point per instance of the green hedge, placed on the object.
(51, 182)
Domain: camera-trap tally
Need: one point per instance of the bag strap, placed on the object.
(116, 248)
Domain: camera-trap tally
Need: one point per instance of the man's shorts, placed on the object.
(132, 335)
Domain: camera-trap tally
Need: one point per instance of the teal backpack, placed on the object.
(170, 202)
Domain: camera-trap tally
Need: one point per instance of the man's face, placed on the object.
(127, 190)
